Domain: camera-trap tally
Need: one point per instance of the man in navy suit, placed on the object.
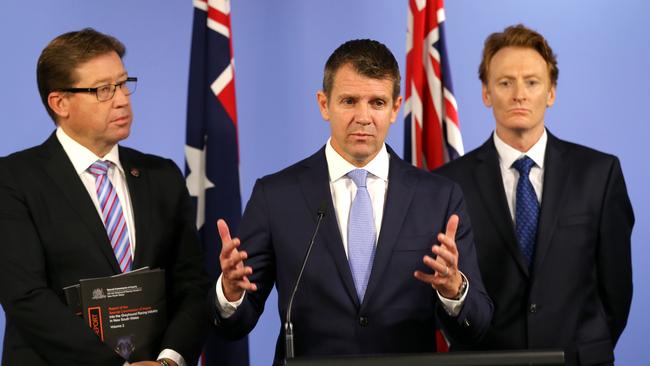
(54, 225)
(553, 239)
(377, 281)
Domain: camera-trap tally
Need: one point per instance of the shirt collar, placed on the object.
(508, 154)
(81, 157)
(339, 167)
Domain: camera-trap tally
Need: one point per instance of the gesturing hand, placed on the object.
(446, 277)
(234, 278)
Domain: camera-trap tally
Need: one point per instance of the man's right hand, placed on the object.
(234, 275)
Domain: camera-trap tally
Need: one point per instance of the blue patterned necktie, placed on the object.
(361, 233)
(527, 209)
(112, 214)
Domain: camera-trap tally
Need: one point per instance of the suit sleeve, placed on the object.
(614, 252)
(43, 320)
(187, 281)
(255, 235)
(475, 317)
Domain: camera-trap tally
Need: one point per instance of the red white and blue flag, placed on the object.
(211, 150)
(431, 129)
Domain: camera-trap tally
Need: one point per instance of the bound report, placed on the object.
(126, 311)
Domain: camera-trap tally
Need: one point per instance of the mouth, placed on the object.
(519, 111)
(121, 120)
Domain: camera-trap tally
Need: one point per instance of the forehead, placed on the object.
(347, 81)
(509, 61)
(106, 67)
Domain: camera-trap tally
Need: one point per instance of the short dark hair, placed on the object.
(58, 61)
(518, 36)
(368, 57)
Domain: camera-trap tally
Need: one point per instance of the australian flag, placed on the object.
(211, 150)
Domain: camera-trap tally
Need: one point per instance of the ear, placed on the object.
(59, 103)
(395, 109)
(323, 105)
(551, 97)
(485, 93)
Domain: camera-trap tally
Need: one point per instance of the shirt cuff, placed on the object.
(453, 307)
(172, 355)
(226, 308)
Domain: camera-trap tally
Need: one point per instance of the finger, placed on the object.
(452, 226)
(438, 266)
(234, 261)
(238, 274)
(448, 243)
(247, 285)
(424, 277)
(443, 254)
(433, 280)
(224, 232)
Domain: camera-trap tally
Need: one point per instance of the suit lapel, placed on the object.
(490, 185)
(401, 188)
(556, 175)
(314, 183)
(138, 183)
(64, 176)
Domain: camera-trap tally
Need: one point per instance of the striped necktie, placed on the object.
(114, 220)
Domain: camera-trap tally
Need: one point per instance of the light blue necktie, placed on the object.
(527, 209)
(112, 214)
(361, 233)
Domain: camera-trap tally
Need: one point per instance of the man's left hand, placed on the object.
(446, 278)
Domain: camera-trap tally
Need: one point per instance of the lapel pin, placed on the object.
(135, 172)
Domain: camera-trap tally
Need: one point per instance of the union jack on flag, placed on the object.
(211, 150)
(431, 129)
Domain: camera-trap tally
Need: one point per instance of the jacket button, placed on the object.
(363, 321)
(466, 323)
(533, 308)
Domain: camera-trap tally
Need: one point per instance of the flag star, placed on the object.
(197, 181)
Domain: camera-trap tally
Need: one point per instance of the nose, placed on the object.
(120, 98)
(362, 114)
(519, 93)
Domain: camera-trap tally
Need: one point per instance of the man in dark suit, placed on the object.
(56, 229)
(552, 219)
(360, 292)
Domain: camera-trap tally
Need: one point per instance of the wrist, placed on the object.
(461, 288)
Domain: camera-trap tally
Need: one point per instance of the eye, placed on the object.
(504, 83)
(348, 101)
(378, 103)
(104, 90)
(532, 82)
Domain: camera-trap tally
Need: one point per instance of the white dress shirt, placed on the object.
(508, 155)
(82, 159)
(343, 191)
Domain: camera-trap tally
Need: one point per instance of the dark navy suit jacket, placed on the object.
(52, 236)
(399, 313)
(578, 292)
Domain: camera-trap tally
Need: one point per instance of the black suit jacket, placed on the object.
(51, 236)
(577, 294)
(398, 313)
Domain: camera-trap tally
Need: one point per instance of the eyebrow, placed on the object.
(108, 80)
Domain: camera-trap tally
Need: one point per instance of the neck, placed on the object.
(522, 140)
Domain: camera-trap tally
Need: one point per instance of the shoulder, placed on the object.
(582, 158)
(132, 158)
(316, 163)
(24, 162)
(424, 180)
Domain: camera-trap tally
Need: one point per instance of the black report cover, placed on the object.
(127, 311)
